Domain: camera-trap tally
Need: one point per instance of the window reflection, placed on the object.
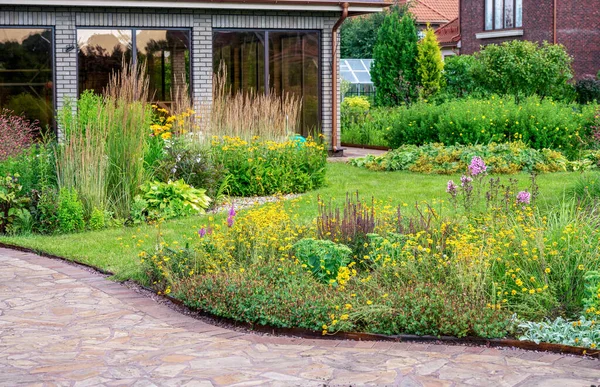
(101, 53)
(243, 54)
(26, 73)
(166, 56)
(292, 66)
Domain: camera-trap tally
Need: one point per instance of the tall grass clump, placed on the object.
(250, 113)
(103, 143)
(81, 160)
(127, 117)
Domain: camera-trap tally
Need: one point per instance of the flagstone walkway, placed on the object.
(64, 325)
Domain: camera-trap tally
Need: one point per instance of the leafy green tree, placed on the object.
(359, 34)
(394, 69)
(430, 64)
(459, 76)
(523, 68)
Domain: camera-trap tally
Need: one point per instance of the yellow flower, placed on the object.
(166, 135)
(547, 270)
(369, 302)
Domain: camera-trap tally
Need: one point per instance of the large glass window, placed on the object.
(101, 53)
(501, 14)
(26, 73)
(273, 61)
(165, 54)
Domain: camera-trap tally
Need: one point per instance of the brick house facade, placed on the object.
(577, 27)
(199, 21)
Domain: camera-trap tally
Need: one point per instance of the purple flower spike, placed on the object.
(232, 212)
(451, 188)
(465, 180)
(202, 232)
(524, 197)
(230, 221)
(477, 166)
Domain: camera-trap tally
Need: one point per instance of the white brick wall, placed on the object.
(65, 20)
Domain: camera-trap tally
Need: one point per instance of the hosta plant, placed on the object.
(173, 199)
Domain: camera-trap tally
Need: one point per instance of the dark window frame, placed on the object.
(134, 47)
(504, 28)
(266, 58)
(52, 63)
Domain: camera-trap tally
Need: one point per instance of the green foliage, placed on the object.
(430, 64)
(46, 211)
(192, 162)
(581, 333)
(522, 68)
(353, 112)
(437, 158)
(97, 220)
(358, 35)
(539, 123)
(591, 300)
(323, 258)
(172, 200)
(70, 211)
(394, 70)
(588, 90)
(258, 168)
(459, 76)
(35, 166)
(13, 205)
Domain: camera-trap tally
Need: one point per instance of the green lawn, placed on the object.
(116, 249)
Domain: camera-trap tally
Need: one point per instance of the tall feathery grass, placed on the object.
(250, 113)
(103, 143)
(81, 161)
(128, 117)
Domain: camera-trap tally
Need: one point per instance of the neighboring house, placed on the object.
(53, 50)
(573, 23)
(435, 13)
(448, 37)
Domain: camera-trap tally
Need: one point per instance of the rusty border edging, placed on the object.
(361, 146)
(354, 336)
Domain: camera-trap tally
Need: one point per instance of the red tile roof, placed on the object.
(434, 11)
(448, 34)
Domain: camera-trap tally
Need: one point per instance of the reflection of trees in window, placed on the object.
(166, 56)
(292, 66)
(500, 14)
(101, 55)
(26, 73)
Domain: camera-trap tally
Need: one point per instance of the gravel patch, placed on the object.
(241, 203)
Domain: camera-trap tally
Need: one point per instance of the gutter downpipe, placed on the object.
(334, 77)
(555, 21)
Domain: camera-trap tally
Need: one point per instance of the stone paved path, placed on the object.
(63, 325)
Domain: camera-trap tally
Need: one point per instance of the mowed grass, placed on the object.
(116, 250)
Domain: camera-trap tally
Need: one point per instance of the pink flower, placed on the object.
(230, 220)
(524, 197)
(451, 188)
(477, 166)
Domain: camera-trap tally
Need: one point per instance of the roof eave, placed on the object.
(286, 5)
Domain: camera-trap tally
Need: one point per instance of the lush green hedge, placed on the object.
(538, 123)
(500, 158)
(259, 167)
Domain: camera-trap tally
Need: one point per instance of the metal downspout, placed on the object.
(334, 77)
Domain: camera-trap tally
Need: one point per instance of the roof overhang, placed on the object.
(266, 5)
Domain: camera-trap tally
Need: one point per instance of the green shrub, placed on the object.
(591, 302)
(70, 211)
(97, 220)
(588, 90)
(429, 64)
(459, 76)
(539, 123)
(46, 211)
(437, 158)
(258, 168)
(522, 68)
(394, 69)
(170, 200)
(13, 205)
(192, 162)
(35, 166)
(324, 259)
